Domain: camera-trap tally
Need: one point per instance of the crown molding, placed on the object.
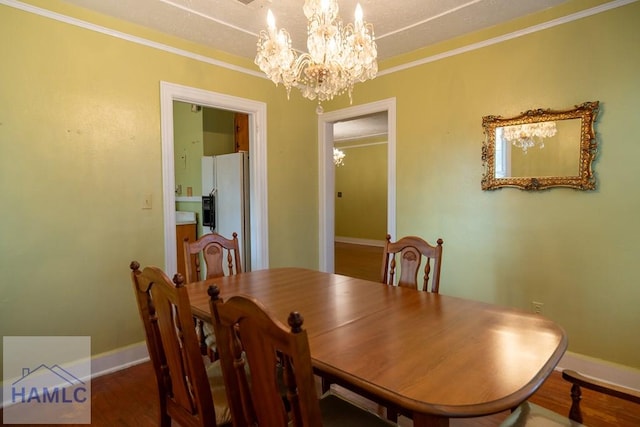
(515, 34)
(202, 58)
(128, 37)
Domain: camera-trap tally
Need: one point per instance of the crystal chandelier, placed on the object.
(339, 56)
(338, 157)
(528, 135)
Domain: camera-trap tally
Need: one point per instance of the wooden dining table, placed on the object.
(434, 356)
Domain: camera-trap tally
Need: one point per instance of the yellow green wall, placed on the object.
(361, 211)
(80, 149)
(559, 156)
(219, 135)
(188, 143)
(574, 251)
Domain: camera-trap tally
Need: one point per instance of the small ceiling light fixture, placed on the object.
(339, 56)
(529, 135)
(338, 157)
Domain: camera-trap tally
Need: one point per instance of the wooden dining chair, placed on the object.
(280, 390)
(531, 415)
(221, 257)
(405, 255)
(410, 250)
(189, 393)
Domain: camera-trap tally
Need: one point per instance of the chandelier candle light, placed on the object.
(528, 135)
(338, 157)
(339, 56)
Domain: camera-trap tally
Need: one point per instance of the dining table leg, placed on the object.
(428, 420)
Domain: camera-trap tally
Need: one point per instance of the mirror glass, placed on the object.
(541, 149)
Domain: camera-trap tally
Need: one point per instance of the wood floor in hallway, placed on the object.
(361, 261)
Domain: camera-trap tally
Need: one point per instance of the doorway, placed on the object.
(206, 133)
(257, 116)
(327, 178)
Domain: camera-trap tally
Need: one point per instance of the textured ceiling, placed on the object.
(233, 26)
(400, 26)
(371, 125)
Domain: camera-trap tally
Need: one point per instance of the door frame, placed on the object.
(327, 177)
(258, 217)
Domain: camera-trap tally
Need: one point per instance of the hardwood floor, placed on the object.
(129, 397)
(125, 398)
(363, 262)
(555, 394)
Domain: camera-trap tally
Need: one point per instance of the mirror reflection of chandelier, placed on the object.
(338, 157)
(529, 135)
(339, 56)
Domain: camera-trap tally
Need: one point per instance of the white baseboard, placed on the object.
(356, 241)
(118, 359)
(101, 364)
(601, 369)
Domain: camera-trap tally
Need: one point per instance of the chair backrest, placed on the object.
(410, 250)
(279, 362)
(185, 393)
(213, 247)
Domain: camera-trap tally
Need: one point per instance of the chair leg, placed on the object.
(576, 395)
(165, 419)
(325, 385)
(392, 415)
(200, 331)
(213, 354)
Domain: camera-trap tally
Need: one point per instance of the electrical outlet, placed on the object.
(146, 201)
(536, 307)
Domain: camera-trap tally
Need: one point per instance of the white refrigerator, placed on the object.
(225, 185)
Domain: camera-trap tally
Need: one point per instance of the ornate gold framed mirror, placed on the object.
(540, 149)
